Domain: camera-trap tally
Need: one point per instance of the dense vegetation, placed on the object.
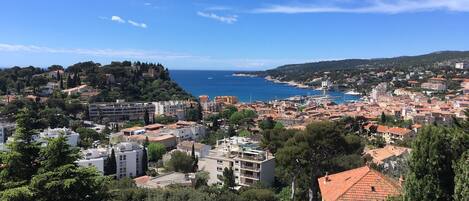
(119, 80)
(303, 72)
(363, 74)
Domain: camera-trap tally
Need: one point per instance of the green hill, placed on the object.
(302, 72)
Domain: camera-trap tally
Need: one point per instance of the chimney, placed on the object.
(401, 180)
(326, 178)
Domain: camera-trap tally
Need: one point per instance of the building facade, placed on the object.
(120, 111)
(249, 163)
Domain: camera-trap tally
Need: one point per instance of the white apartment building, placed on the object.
(94, 157)
(71, 136)
(460, 65)
(250, 164)
(184, 130)
(128, 160)
(171, 108)
(120, 110)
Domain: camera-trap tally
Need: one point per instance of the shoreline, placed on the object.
(293, 83)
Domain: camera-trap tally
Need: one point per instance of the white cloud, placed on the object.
(133, 23)
(170, 58)
(117, 19)
(373, 6)
(230, 19)
(128, 53)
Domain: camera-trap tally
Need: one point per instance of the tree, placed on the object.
(162, 119)
(56, 154)
(430, 175)
(21, 163)
(180, 162)
(231, 131)
(228, 178)
(144, 161)
(156, 151)
(17, 194)
(110, 167)
(258, 194)
(309, 154)
(69, 182)
(461, 179)
(146, 117)
(383, 118)
(53, 118)
(88, 136)
(267, 123)
(201, 179)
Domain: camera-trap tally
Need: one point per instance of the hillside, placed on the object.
(119, 80)
(305, 71)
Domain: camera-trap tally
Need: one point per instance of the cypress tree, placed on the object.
(111, 166)
(144, 161)
(146, 117)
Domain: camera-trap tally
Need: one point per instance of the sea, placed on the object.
(247, 89)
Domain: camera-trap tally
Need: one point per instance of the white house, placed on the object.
(200, 150)
(94, 157)
(71, 136)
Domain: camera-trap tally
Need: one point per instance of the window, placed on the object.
(219, 169)
(219, 161)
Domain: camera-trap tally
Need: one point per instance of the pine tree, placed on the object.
(21, 163)
(57, 153)
(144, 161)
(111, 166)
(430, 175)
(461, 179)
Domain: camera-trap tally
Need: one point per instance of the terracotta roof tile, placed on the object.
(358, 184)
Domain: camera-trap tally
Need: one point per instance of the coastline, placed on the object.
(292, 83)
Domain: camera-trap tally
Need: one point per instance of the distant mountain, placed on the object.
(301, 72)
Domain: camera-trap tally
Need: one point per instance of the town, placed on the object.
(221, 142)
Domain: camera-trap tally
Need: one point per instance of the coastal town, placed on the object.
(221, 141)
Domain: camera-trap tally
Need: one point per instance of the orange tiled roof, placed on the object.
(358, 184)
(399, 131)
(381, 154)
(142, 179)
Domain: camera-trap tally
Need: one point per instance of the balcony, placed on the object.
(252, 168)
(251, 176)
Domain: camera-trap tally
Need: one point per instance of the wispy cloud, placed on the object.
(141, 25)
(170, 58)
(147, 4)
(127, 53)
(372, 6)
(230, 19)
(119, 19)
(218, 8)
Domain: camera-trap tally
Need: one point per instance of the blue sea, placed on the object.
(219, 83)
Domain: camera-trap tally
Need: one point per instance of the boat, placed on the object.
(352, 92)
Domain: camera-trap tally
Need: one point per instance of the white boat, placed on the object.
(353, 93)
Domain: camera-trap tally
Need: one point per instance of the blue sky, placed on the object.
(228, 34)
